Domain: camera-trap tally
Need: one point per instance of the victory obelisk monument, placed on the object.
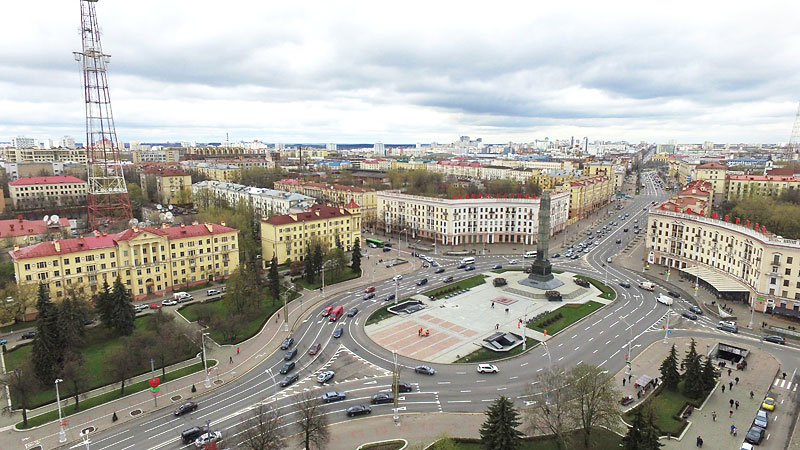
(541, 276)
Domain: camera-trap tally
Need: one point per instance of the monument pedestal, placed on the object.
(541, 276)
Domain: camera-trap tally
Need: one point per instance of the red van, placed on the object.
(336, 313)
(327, 311)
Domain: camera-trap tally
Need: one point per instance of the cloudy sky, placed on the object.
(341, 71)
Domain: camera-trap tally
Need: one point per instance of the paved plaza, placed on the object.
(459, 324)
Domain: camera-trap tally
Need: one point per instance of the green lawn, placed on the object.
(99, 342)
(608, 293)
(380, 314)
(665, 404)
(483, 354)
(246, 330)
(601, 439)
(110, 396)
(330, 278)
(467, 283)
(569, 315)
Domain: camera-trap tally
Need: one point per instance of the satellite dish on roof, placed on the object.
(54, 218)
(158, 207)
(170, 207)
(169, 217)
(133, 222)
(46, 218)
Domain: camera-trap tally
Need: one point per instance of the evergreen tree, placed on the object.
(633, 440)
(47, 350)
(499, 431)
(317, 259)
(274, 279)
(355, 259)
(709, 375)
(650, 433)
(103, 305)
(693, 379)
(309, 265)
(71, 313)
(124, 314)
(669, 369)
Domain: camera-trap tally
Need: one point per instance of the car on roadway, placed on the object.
(625, 284)
(169, 302)
(497, 266)
(728, 326)
(624, 230)
(212, 292)
(439, 270)
(387, 249)
(338, 332)
(422, 282)
(28, 335)
(762, 419)
(287, 343)
(774, 339)
(139, 308)
(555, 255)
(333, 396)
(469, 268)
(404, 387)
(434, 264)
(327, 311)
(513, 261)
(3, 341)
(673, 294)
(755, 435)
(487, 368)
(461, 266)
(664, 300)
(352, 312)
(689, 315)
(609, 260)
(325, 376)
(314, 349)
(575, 256)
(768, 404)
(189, 435)
(619, 241)
(289, 355)
(389, 297)
(369, 296)
(425, 265)
(208, 438)
(447, 279)
(397, 277)
(186, 408)
(696, 310)
(372, 288)
(381, 397)
(426, 370)
(357, 410)
(289, 379)
(287, 367)
(635, 231)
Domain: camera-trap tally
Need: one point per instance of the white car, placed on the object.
(664, 299)
(487, 368)
(513, 261)
(325, 376)
(169, 302)
(207, 438)
(397, 277)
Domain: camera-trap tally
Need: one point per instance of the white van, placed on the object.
(665, 299)
(530, 254)
(647, 286)
(468, 260)
(212, 292)
(180, 295)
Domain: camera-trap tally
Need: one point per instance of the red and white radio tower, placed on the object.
(107, 193)
(794, 140)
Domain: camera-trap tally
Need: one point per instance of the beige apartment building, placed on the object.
(47, 192)
(735, 261)
(743, 186)
(214, 171)
(714, 173)
(149, 261)
(587, 195)
(172, 186)
(288, 236)
(43, 155)
(336, 194)
(483, 220)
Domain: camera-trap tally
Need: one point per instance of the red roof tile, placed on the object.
(316, 213)
(26, 181)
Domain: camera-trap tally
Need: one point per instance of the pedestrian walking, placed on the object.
(735, 430)
(729, 372)
(730, 385)
(751, 395)
(623, 381)
(629, 378)
(506, 310)
(737, 380)
(723, 387)
(639, 394)
(730, 413)
(492, 305)
(784, 375)
(237, 350)
(737, 404)
(699, 439)
(733, 427)
(731, 402)
(231, 359)
(419, 332)
(714, 416)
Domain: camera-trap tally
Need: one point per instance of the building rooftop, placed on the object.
(318, 212)
(20, 227)
(764, 178)
(64, 179)
(253, 191)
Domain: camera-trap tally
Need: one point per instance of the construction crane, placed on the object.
(107, 194)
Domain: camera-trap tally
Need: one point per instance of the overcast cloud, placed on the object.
(341, 71)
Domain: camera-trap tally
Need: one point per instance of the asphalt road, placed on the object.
(363, 369)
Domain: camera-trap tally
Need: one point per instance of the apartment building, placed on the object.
(25, 232)
(743, 186)
(214, 171)
(43, 155)
(149, 261)
(21, 170)
(587, 195)
(161, 155)
(614, 172)
(714, 173)
(337, 194)
(47, 192)
(737, 260)
(172, 185)
(376, 164)
(481, 220)
(265, 202)
(288, 236)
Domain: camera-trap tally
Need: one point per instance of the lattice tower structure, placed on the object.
(107, 194)
(794, 141)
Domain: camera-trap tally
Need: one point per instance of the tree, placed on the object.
(104, 305)
(121, 364)
(309, 265)
(337, 261)
(642, 435)
(71, 313)
(137, 199)
(533, 188)
(596, 398)
(242, 292)
(499, 431)
(693, 380)
(75, 376)
(274, 279)
(22, 385)
(669, 370)
(355, 259)
(312, 423)
(47, 351)
(550, 413)
(709, 375)
(162, 328)
(122, 308)
(317, 258)
(261, 430)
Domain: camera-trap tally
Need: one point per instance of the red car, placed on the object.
(155, 305)
(314, 349)
(369, 289)
(327, 311)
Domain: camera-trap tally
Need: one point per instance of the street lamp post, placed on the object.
(207, 383)
(396, 284)
(85, 438)
(666, 329)
(752, 311)
(62, 433)
(630, 341)
(395, 379)
(274, 385)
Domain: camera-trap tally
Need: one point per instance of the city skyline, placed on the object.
(417, 73)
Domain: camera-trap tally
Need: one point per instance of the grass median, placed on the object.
(608, 293)
(601, 439)
(346, 275)
(563, 317)
(464, 284)
(109, 396)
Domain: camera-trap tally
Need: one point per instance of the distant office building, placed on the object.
(21, 142)
(330, 147)
(21, 170)
(265, 202)
(172, 186)
(379, 149)
(67, 142)
(42, 155)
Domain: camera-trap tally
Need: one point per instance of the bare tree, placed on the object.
(595, 398)
(74, 374)
(121, 364)
(260, 430)
(22, 384)
(550, 411)
(313, 424)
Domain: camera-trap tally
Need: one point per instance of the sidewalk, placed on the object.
(252, 352)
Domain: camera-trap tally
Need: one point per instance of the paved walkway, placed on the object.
(251, 353)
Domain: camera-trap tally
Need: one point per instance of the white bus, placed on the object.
(468, 260)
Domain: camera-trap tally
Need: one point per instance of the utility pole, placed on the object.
(205, 361)
(62, 433)
(666, 328)
(395, 388)
(153, 377)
